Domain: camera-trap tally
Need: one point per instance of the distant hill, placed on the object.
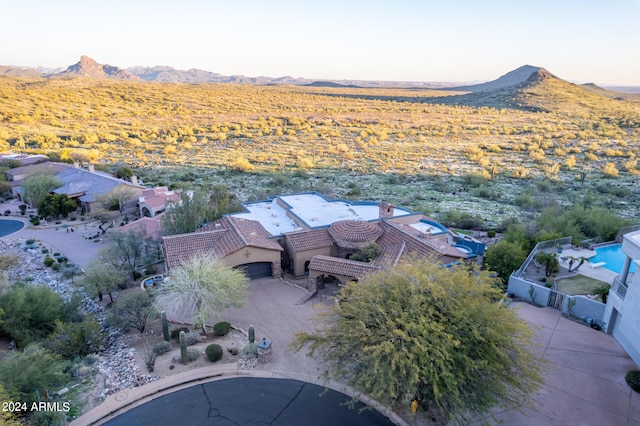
(540, 91)
(511, 78)
(331, 84)
(19, 71)
(88, 67)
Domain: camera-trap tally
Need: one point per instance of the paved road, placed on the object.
(73, 245)
(251, 401)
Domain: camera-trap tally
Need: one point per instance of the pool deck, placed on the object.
(599, 273)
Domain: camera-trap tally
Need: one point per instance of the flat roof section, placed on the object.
(312, 210)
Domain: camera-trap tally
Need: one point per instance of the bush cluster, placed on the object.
(633, 380)
(162, 347)
(221, 328)
(175, 333)
(193, 337)
(214, 352)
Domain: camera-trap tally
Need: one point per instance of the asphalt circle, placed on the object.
(252, 401)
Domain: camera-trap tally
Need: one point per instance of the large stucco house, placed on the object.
(622, 313)
(310, 235)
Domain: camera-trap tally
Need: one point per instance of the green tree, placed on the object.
(504, 257)
(117, 199)
(549, 261)
(124, 172)
(129, 250)
(56, 205)
(366, 254)
(30, 312)
(201, 285)
(102, 277)
(22, 372)
(187, 215)
(430, 334)
(37, 187)
(132, 311)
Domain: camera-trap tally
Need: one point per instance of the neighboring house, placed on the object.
(24, 159)
(622, 316)
(88, 187)
(308, 234)
(152, 226)
(154, 201)
(16, 176)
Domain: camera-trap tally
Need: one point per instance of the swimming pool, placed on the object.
(9, 227)
(613, 257)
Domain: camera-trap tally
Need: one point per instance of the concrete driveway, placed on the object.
(584, 375)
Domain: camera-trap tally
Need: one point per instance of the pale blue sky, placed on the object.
(446, 40)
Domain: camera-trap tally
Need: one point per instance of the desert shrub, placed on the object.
(36, 222)
(633, 380)
(214, 352)
(250, 349)
(366, 254)
(162, 347)
(30, 313)
(491, 233)
(47, 418)
(458, 219)
(39, 369)
(48, 261)
(75, 339)
(221, 328)
(175, 333)
(132, 311)
(30, 241)
(193, 337)
(56, 266)
(192, 353)
(45, 251)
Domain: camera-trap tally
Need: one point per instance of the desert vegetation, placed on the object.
(485, 156)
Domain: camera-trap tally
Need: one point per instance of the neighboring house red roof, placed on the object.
(220, 238)
(309, 239)
(151, 225)
(396, 233)
(338, 266)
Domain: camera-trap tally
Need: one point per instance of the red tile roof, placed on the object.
(338, 266)
(309, 239)
(220, 238)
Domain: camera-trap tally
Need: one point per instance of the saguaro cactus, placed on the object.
(183, 348)
(252, 334)
(165, 326)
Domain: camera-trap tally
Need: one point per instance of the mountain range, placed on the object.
(519, 88)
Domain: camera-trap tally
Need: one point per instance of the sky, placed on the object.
(394, 40)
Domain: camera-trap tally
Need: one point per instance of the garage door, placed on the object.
(257, 270)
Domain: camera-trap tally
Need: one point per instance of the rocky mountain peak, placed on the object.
(90, 68)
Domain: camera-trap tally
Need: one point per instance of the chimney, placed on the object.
(91, 168)
(134, 180)
(386, 210)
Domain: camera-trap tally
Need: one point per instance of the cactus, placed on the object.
(184, 355)
(252, 334)
(165, 326)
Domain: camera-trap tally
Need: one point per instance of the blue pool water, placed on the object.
(9, 227)
(613, 256)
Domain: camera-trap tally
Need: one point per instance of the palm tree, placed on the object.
(549, 261)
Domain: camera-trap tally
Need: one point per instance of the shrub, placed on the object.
(36, 222)
(221, 328)
(175, 333)
(250, 349)
(76, 339)
(193, 337)
(193, 354)
(491, 233)
(30, 241)
(214, 352)
(56, 266)
(45, 251)
(48, 261)
(30, 312)
(162, 347)
(62, 259)
(7, 212)
(633, 380)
